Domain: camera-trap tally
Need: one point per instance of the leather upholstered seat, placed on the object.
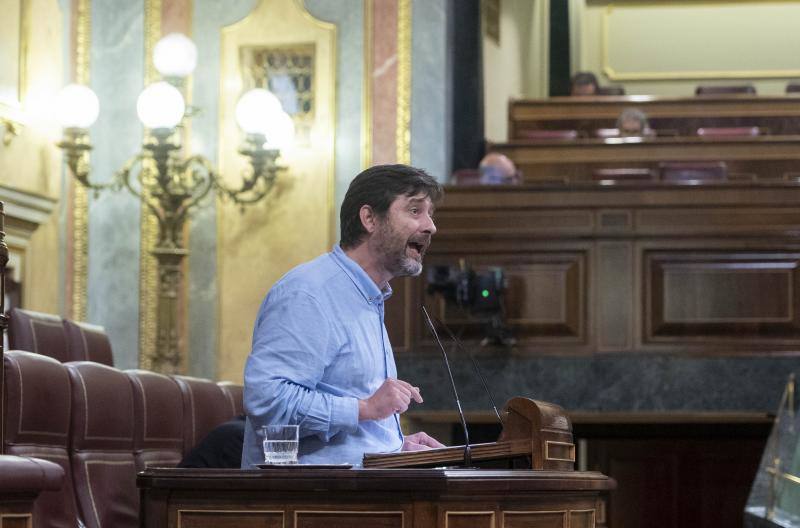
(235, 394)
(103, 466)
(37, 422)
(38, 332)
(205, 406)
(158, 419)
(88, 342)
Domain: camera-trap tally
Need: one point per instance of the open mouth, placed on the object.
(417, 249)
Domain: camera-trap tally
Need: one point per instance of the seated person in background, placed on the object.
(633, 122)
(497, 169)
(221, 448)
(584, 83)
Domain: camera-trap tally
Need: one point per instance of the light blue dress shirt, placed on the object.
(320, 345)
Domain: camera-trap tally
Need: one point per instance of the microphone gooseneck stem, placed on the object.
(474, 364)
(467, 452)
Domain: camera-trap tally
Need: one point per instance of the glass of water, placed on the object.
(280, 444)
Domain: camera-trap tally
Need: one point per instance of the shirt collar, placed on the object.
(363, 282)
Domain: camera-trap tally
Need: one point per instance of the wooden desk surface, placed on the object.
(415, 481)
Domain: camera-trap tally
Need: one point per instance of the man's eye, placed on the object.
(414, 210)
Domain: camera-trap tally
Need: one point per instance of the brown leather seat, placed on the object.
(730, 89)
(88, 342)
(37, 421)
(205, 406)
(158, 419)
(693, 170)
(104, 470)
(38, 332)
(25, 474)
(234, 392)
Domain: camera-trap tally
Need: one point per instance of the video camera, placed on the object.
(480, 294)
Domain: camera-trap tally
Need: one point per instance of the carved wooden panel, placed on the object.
(721, 293)
(551, 519)
(545, 299)
(345, 519)
(467, 519)
(581, 519)
(230, 519)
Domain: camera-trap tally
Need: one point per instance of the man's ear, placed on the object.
(368, 218)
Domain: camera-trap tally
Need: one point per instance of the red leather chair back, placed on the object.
(38, 332)
(37, 420)
(104, 470)
(205, 406)
(88, 342)
(158, 419)
(235, 394)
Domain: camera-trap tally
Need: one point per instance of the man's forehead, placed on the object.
(417, 198)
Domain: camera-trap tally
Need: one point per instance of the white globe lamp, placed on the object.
(175, 56)
(77, 106)
(160, 106)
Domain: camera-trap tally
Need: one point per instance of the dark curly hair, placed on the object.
(378, 187)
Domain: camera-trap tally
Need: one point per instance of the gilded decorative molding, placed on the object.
(403, 138)
(80, 198)
(366, 92)
(148, 228)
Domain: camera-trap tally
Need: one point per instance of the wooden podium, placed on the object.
(393, 491)
(536, 435)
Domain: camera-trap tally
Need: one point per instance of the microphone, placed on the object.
(478, 370)
(467, 452)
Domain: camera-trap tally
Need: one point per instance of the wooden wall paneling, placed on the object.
(595, 268)
(614, 271)
(551, 519)
(722, 293)
(546, 302)
(647, 477)
(469, 519)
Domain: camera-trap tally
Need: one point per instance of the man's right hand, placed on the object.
(394, 396)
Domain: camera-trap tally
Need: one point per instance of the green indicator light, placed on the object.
(485, 293)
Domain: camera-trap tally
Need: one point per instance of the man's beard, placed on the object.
(392, 248)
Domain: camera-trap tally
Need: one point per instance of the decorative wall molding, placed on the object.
(730, 26)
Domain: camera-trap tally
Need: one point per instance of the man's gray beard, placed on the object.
(411, 268)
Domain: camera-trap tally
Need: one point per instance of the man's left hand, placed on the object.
(419, 442)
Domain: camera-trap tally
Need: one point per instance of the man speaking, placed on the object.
(321, 357)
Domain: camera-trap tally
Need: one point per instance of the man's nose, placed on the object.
(429, 227)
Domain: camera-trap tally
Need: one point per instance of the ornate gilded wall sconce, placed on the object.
(170, 185)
